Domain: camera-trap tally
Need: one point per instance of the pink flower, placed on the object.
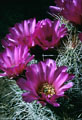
(70, 9)
(45, 82)
(47, 33)
(80, 36)
(21, 34)
(14, 60)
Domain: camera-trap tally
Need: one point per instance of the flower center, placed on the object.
(47, 89)
(24, 39)
(12, 66)
(49, 38)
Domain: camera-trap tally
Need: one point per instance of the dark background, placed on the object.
(12, 12)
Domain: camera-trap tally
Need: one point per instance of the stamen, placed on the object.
(47, 89)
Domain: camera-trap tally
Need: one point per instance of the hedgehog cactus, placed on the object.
(41, 90)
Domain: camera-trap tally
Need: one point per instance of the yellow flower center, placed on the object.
(47, 89)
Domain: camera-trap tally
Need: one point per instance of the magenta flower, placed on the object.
(80, 36)
(70, 9)
(21, 34)
(47, 33)
(45, 82)
(14, 60)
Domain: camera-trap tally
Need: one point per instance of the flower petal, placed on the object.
(65, 87)
(63, 77)
(55, 9)
(80, 36)
(29, 97)
(23, 84)
(3, 74)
